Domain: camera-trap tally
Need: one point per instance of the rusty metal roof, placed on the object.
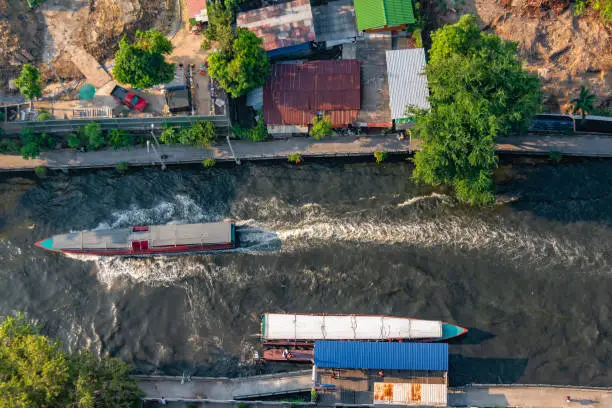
(294, 93)
(195, 8)
(281, 25)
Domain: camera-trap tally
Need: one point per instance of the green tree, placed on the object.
(75, 142)
(478, 91)
(36, 372)
(585, 102)
(321, 127)
(169, 134)
(220, 17)
(29, 82)
(31, 144)
(201, 134)
(92, 133)
(142, 63)
(244, 67)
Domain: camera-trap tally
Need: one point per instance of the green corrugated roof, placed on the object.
(380, 13)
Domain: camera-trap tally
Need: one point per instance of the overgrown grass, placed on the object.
(210, 162)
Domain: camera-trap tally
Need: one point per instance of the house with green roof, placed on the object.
(383, 14)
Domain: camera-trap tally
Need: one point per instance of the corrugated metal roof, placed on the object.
(410, 394)
(380, 13)
(407, 80)
(280, 26)
(381, 355)
(294, 93)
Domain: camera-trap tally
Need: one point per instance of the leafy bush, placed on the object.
(40, 171)
(313, 395)
(75, 142)
(118, 139)
(295, 158)
(169, 134)
(31, 143)
(603, 8)
(8, 146)
(29, 82)
(44, 114)
(92, 133)
(380, 156)
(210, 162)
(321, 127)
(201, 134)
(121, 167)
(258, 133)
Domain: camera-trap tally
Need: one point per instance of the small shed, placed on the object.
(383, 15)
(177, 99)
(407, 82)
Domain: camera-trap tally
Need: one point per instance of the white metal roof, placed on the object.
(281, 326)
(157, 235)
(407, 80)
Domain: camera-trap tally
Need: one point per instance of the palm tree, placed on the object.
(584, 102)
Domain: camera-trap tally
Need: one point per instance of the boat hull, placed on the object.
(173, 250)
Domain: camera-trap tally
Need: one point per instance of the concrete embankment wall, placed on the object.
(342, 146)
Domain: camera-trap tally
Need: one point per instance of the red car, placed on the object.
(129, 98)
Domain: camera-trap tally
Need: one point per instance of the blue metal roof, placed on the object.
(291, 49)
(381, 355)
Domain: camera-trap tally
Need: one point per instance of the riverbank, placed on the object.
(342, 146)
(226, 391)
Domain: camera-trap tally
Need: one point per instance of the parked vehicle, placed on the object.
(128, 98)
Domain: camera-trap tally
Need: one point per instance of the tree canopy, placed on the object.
(478, 91)
(243, 67)
(142, 63)
(36, 372)
(29, 82)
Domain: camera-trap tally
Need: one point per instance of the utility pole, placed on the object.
(161, 160)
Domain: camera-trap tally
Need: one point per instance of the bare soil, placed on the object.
(20, 39)
(565, 51)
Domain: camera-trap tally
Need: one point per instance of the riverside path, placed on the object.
(529, 396)
(341, 146)
(224, 389)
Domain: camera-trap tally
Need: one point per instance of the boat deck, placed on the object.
(297, 356)
(156, 236)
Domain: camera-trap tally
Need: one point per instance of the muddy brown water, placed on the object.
(531, 279)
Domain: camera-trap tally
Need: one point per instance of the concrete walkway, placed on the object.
(529, 397)
(224, 389)
(594, 146)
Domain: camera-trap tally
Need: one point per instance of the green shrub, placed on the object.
(192, 405)
(210, 162)
(169, 134)
(321, 127)
(295, 158)
(8, 146)
(258, 133)
(118, 139)
(75, 142)
(418, 38)
(40, 171)
(205, 45)
(30, 150)
(92, 133)
(243, 405)
(380, 156)
(44, 114)
(121, 167)
(201, 134)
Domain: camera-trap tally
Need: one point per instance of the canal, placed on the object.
(531, 277)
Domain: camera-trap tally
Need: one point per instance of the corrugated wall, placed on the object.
(410, 394)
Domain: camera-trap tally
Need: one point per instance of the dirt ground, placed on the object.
(565, 51)
(21, 39)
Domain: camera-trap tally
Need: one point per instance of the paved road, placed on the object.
(529, 397)
(224, 389)
(596, 146)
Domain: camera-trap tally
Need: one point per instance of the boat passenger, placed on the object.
(285, 352)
